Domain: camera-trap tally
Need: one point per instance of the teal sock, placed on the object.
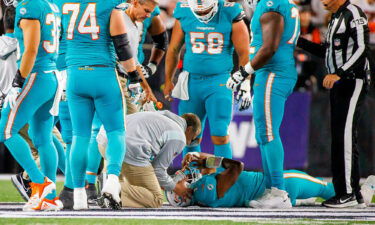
(223, 150)
(68, 172)
(78, 158)
(21, 152)
(274, 153)
(266, 170)
(116, 150)
(191, 149)
(94, 159)
(48, 162)
(61, 154)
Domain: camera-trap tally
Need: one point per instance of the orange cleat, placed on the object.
(39, 192)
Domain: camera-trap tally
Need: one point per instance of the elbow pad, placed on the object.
(122, 47)
(161, 41)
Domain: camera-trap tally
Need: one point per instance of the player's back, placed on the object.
(284, 54)
(47, 14)
(86, 29)
(248, 186)
(209, 48)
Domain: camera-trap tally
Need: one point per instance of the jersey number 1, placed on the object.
(88, 15)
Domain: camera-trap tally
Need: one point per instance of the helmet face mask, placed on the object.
(191, 175)
(252, 4)
(204, 10)
(10, 3)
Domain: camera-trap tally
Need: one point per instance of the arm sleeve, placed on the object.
(358, 29)
(318, 50)
(271, 6)
(156, 11)
(161, 163)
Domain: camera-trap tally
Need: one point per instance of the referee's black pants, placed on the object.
(346, 100)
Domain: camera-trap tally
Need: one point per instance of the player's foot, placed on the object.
(66, 197)
(277, 199)
(307, 202)
(80, 199)
(39, 192)
(92, 194)
(257, 202)
(345, 201)
(367, 189)
(22, 185)
(50, 205)
(111, 191)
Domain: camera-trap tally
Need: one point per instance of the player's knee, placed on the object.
(40, 140)
(67, 136)
(219, 128)
(217, 140)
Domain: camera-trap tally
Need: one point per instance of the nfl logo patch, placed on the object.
(337, 42)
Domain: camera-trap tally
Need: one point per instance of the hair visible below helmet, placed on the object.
(197, 6)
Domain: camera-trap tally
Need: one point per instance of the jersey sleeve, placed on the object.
(156, 11)
(234, 11)
(273, 6)
(205, 190)
(177, 13)
(29, 10)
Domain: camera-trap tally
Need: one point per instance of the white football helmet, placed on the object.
(192, 175)
(199, 6)
(252, 4)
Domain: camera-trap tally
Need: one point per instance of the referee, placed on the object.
(346, 55)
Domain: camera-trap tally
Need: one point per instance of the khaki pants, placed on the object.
(140, 187)
(130, 107)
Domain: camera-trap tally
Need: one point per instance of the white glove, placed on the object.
(148, 70)
(11, 97)
(135, 92)
(244, 95)
(149, 106)
(239, 76)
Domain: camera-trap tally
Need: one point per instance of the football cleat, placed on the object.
(92, 194)
(257, 202)
(276, 199)
(66, 197)
(50, 205)
(111, 191)
(80, 199)
(367, 189)
(39, 192)
(22, 186)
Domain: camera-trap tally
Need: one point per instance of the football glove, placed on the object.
(236, 79)
(148, 70)
(134, 77)
(13, 93)
(244, 95)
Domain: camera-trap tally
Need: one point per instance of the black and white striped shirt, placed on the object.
(346, 46)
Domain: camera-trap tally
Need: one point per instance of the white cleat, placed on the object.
(80, 199)
(258, 202)
(367, 189)
(111, 191)
(307, 202)
(276, 199)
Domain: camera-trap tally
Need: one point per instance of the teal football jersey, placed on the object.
(60, 63)
(143, 32)
(284, 54)
(86, 30)
(209, 48)
(47, 14)
(249, 186)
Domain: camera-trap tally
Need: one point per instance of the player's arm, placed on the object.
(241, 42)
(159, 36)
(228, 177)
(272, 29)
(31, 35)
(121, 42)
(171, 60)
(318, 50)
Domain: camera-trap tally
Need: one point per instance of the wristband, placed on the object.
(248, 68)
(214, 161)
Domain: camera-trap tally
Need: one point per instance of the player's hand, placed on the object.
(188, 159)
(11, 97)
(330, 80)
(182, 190)
(244, 95)
(236, 79)
(168, 87)
(148, 70)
